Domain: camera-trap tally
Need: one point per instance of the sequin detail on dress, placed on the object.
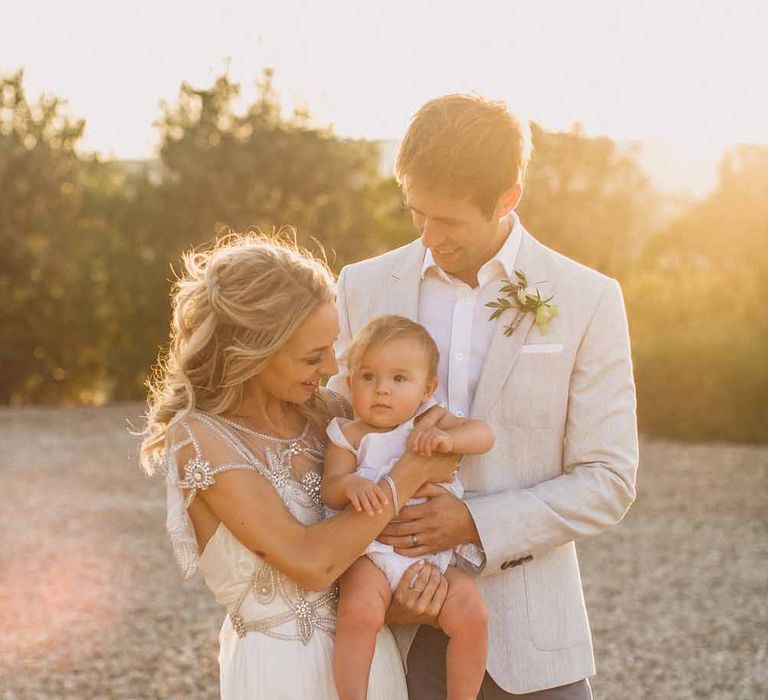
(308, 610)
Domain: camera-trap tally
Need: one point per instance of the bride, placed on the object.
(237, 416)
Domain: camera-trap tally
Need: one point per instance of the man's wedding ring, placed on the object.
(415, 540)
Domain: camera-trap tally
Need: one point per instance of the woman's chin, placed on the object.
(309, 389)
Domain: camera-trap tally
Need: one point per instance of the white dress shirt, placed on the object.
(457, 317)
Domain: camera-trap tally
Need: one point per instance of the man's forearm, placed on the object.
(520, 523)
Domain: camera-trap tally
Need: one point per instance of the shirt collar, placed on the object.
(504, 258)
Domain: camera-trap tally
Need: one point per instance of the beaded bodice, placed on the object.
(258, 597)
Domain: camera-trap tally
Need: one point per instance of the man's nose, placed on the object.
(430, 235)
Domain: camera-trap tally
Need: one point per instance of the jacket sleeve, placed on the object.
(338, 382)
(600, 454)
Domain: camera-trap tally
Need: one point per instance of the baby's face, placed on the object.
(390, 383)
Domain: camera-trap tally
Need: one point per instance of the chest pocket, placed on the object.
(536, 392)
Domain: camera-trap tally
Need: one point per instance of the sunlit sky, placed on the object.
(688, 76)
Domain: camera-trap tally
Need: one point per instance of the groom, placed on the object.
(554, 381)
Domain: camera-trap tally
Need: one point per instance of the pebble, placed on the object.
(94, 607)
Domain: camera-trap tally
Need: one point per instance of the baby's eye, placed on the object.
(367, 376)
(401, 378)
(313, 361)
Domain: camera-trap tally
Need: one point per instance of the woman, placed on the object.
(237, 414)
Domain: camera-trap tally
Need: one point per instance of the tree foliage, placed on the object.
(696, 302)
(589, 199)
(41, 192)
(92, 243)
(266, 170)
(88, 245)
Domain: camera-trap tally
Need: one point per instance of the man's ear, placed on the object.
(508, 201)
(348, 380)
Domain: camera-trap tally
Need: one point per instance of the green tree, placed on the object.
(588, 199)
(699, 319)
(41, 192)
(264, 169)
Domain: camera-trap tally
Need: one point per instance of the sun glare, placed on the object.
(688, 74)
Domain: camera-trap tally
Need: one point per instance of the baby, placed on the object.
(392, 377)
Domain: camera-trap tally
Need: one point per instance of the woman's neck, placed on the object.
(267, 414)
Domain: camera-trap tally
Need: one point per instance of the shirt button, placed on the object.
(460, 413)
(459, 356)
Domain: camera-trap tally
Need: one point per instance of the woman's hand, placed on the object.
(419, 596)
(364, 494)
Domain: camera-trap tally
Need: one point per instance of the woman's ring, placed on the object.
(415, 540)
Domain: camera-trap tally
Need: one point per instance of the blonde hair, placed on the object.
(381, 330)
(234, 307)
(465, 145)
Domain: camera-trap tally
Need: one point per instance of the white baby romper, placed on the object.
(377, 454)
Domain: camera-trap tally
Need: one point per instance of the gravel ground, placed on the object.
(92, 606)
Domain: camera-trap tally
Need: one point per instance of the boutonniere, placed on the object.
(527, 300)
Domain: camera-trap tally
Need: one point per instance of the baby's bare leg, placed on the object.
(363, 601)
(464, 619)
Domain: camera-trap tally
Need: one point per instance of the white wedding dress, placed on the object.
(277, 640)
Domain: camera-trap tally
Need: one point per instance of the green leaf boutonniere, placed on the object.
(525, 299)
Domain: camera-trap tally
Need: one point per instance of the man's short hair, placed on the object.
(467, 146)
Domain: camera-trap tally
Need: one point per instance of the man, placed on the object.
(552, 374)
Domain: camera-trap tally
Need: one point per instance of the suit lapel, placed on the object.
(402, 289)
(504, 350)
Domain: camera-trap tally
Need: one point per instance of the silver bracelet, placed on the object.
(393, 489)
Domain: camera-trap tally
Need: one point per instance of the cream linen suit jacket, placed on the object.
(562, 405)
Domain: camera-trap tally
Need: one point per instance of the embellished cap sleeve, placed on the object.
(337, 437)
(183, 484)
(199, 474)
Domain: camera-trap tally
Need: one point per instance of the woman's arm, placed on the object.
(313, 556)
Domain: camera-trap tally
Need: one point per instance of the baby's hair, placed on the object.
(382, 329)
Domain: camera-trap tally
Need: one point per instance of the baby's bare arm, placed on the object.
(341, 485)
(340, 464)
(470, 436)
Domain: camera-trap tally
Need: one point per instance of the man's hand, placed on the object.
(419, 596)
(442, 523)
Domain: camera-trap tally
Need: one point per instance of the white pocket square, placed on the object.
(542, 348)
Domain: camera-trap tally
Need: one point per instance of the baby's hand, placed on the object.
(429, 440)
(364, 494)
